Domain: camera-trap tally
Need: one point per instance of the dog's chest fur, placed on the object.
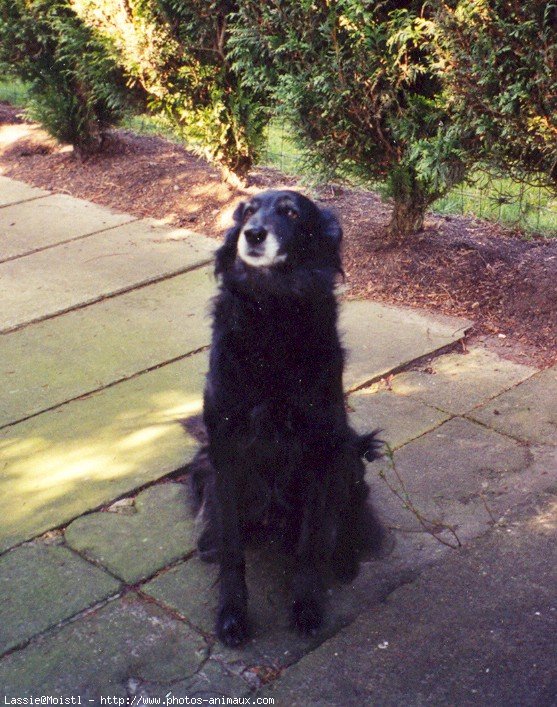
(276, 348)
(276, 372)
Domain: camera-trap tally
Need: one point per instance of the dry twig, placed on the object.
(433, 527)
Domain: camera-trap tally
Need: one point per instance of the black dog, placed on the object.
(281, 454)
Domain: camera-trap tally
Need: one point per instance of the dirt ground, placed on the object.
(457, 265)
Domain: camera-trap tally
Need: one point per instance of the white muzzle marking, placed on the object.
(262, 255)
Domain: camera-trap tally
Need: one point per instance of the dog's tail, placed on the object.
(370, 445)
(370, 538)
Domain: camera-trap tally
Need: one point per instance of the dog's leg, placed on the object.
(232, 621)
(352, 527)
(360, 533)
(308, 589)
(314, 551)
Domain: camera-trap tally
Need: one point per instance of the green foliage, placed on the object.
(177, 51)
(409, 95)
(502, 71)
(74, 87)
(360, 82)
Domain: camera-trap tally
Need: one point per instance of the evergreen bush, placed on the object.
(361, 84)
(177, 50)
(76, 90)
(501, 58)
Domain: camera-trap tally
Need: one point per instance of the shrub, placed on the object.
(177, 51)
(360, 82)
(76, 91)
(502, 71)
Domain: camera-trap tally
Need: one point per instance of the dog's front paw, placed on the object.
(232, 626)
(307, 615)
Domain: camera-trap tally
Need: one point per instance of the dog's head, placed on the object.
(281, 230)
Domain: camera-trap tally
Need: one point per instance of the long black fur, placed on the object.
(281, 455)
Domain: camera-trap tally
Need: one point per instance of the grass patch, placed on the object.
(281, 152)
(147, 124)
(14, 92)
(533, 209)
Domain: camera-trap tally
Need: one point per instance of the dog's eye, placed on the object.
(248, 213)
(291, 213)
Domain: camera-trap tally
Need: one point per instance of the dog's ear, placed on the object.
(226, 254)
(331, 237)
(330, 226)
(238, 212)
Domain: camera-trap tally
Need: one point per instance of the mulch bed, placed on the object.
(457, 265)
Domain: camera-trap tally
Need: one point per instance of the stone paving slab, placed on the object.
(477, 629)
(191, 589)
(12, 192)
(198, 603)
(110, 653)
(60, 464)
(40, 586)
(59, 359)
(380, 338)
(273, 641)
(87, 270)
(133, 544)
(54, 219)
(460, 474)
(528, 412)
(458, 382)
(400, 419)
(211, 682)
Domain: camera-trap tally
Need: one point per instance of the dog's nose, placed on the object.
(255, 235)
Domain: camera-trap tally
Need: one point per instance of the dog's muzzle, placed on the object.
(259, 247)
(255, 236)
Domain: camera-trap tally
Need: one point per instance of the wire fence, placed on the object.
(529, 208)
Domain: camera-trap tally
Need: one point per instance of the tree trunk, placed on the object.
(233, 178)
(407, 217)
(237, 175)
(90, 142)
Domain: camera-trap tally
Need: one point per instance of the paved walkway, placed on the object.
(104, 335)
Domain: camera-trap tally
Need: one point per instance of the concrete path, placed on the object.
(477, 629)
(103, 353)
